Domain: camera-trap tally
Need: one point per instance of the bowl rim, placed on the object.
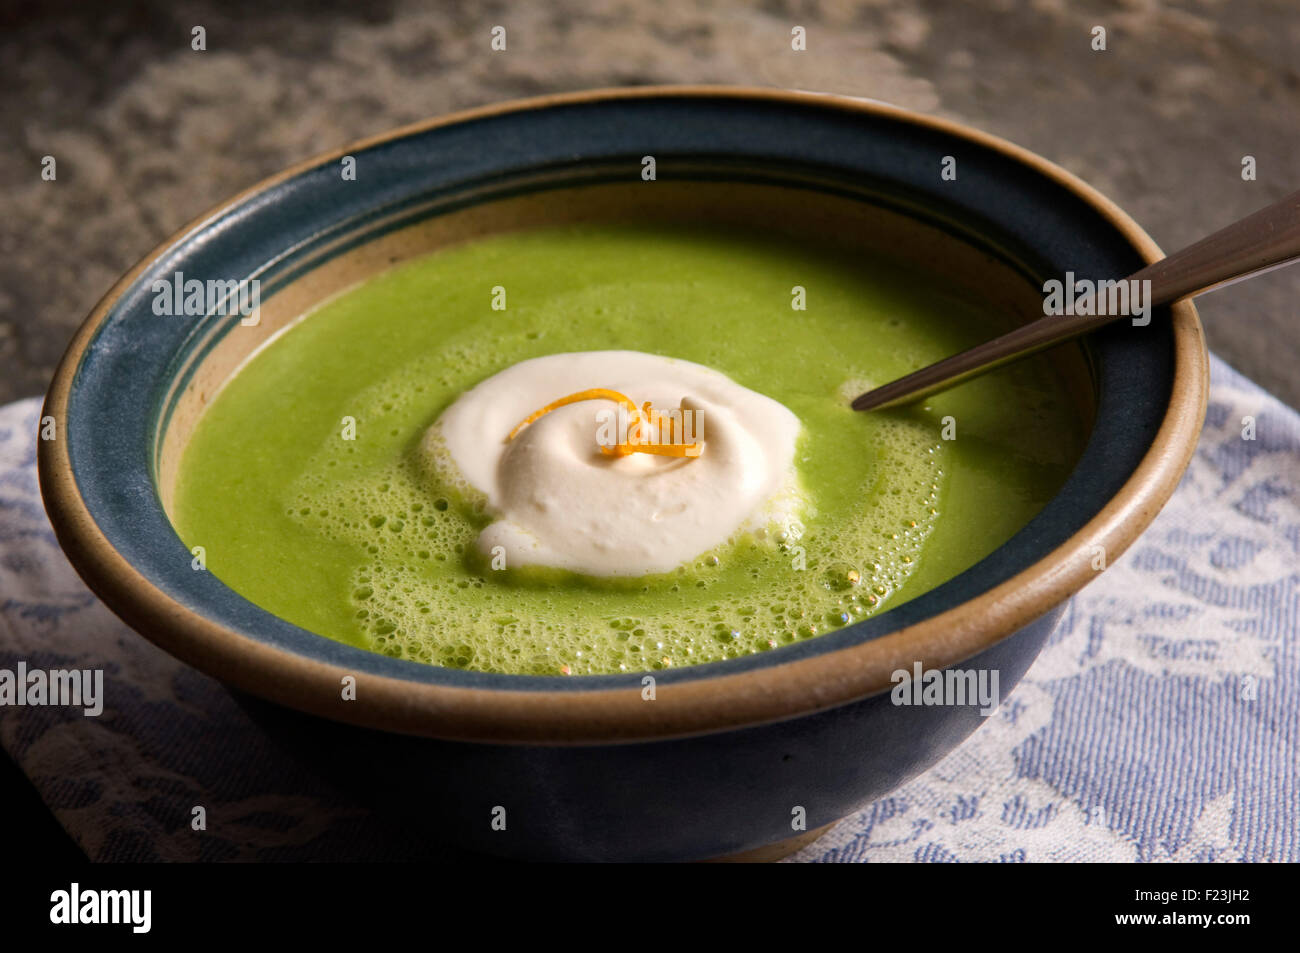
(608, 715)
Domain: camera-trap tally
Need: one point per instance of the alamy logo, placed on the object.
(74, 905)
(192, 297)
(946, 686)
(1085, 297)
(77, 688)
(649, 427)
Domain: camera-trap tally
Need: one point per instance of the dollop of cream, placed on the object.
(558, 501)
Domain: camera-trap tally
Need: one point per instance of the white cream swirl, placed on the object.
(559, 501)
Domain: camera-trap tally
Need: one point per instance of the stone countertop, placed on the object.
(147, 132)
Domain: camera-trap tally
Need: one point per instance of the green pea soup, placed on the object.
(304, 484)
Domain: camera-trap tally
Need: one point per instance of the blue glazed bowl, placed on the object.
(728, 757)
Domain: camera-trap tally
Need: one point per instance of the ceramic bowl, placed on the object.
(728, 758)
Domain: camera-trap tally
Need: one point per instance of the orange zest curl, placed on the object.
(640, 420)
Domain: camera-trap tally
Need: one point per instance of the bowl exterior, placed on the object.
(706, 797)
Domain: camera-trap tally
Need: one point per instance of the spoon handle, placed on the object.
(1259, 242)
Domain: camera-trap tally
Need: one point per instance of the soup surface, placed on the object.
(306, 482)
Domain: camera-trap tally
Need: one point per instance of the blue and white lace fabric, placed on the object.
(1160, 723)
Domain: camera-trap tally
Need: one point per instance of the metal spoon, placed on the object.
(1267, 239)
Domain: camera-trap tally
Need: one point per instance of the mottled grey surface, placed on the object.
(147, 133)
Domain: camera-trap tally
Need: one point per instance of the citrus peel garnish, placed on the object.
(638, 420)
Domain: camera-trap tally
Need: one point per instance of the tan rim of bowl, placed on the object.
(695, 706)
